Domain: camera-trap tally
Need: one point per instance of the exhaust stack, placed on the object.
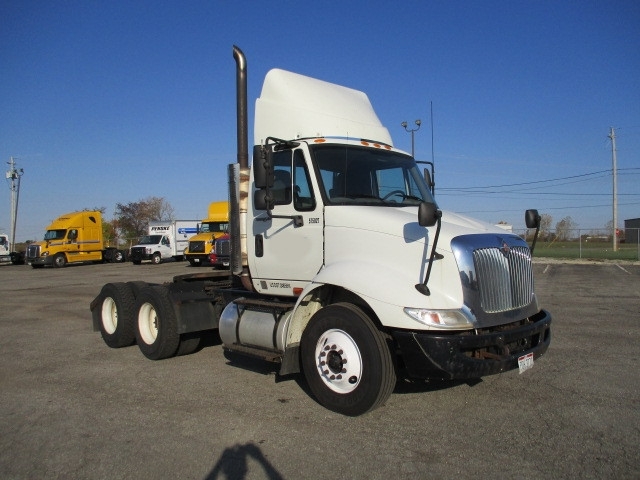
(239, 178)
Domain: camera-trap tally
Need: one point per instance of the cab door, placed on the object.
(287, 242)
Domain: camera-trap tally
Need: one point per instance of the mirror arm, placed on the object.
(422, 287)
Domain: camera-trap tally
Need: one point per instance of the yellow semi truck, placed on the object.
(215, 225)
(73, 238)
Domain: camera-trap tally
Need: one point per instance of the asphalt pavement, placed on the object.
(71, 407)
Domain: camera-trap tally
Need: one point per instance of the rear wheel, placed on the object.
(189, 343)
(346, 360)
(156, 331)
(117, 315)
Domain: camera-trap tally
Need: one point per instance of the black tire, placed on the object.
(346, 360)
(156, 327)
(116, 315)
(156, 259)
(189, 343)
(59, 261)
(118, 256)
(137, 286)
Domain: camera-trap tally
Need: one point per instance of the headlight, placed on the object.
(148, 249)
(44, 254)
(442, 319)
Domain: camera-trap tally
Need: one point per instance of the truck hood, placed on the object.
(389, 250)
(402, 222)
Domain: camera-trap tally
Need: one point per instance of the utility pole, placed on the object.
(612, 136)
(13, 176)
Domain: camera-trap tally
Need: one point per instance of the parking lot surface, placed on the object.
(71, 407)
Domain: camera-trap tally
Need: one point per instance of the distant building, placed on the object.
(632, 230)
(505, 226)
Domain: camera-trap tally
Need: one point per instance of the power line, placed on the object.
(538, 181)
(482, 189)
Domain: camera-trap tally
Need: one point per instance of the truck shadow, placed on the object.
(409, 385)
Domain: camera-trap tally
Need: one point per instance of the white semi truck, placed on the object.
(343, 267)
(165, 240)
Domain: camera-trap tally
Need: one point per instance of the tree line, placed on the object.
(131, 220)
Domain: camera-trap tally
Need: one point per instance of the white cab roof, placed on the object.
(294, 106)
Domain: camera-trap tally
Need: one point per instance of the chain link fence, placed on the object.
(592, 244)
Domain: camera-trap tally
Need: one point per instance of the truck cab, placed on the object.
(342, 264)
(202, 245)
(72, 238)
(155, 248)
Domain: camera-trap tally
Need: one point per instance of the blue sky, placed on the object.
(107, 102)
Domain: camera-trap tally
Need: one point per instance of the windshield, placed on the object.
(150, 240)
(365, 176)
(208, 227)
(54, 234)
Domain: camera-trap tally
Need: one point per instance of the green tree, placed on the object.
(131, 220)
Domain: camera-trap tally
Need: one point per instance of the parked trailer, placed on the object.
(342, 265)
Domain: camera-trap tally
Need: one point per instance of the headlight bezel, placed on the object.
(443, 319)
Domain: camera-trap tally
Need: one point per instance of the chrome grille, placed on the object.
(196, 247)
(33, 251)
(223, 247)
(505, 278)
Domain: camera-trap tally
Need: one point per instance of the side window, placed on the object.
(281, 190)
(303, 198)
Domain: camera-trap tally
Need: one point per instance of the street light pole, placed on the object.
(13, 176)
(412, 130)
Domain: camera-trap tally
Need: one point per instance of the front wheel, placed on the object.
(59, 260)
(346, 360)
(156, 259)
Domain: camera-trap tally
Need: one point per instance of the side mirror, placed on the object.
(262, 200)
(532, 219)
(428, 214)
(262, 166)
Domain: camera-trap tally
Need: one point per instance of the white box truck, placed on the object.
(343, 267)
(165, 240)
(5, 249)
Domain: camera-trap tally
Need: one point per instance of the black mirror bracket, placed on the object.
(422, 287)
(532, 220)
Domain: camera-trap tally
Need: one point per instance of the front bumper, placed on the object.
(46, 260)
(473, 354)
(201, 258)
